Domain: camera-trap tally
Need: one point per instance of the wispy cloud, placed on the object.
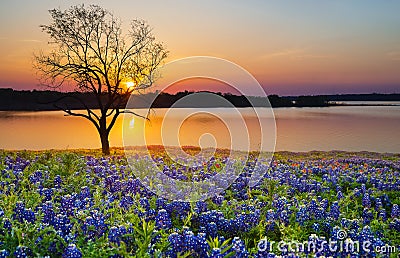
(20, 40)
(393, 55)
(296, 53)
(30, 40)
(309, 56)
(285, 52)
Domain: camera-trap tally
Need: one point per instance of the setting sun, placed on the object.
(130, 84)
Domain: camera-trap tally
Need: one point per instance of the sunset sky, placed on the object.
(291, 47)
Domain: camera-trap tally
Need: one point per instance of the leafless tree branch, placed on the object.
(90, 51)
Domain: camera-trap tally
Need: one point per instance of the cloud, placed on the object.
(285, 52)
(21, 40)
(296, 53)
(30, 40)
(308, 56)
(394, 55)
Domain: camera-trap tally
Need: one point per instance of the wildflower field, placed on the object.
(80, 204)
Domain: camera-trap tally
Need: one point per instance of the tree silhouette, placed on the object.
(91, 52)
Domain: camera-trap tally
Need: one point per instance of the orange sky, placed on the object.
(305, 47)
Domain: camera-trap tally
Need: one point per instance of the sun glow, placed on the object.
(130, 84)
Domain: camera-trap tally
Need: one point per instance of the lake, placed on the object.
(350, 128)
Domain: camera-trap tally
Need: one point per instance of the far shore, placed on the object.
(13, 100)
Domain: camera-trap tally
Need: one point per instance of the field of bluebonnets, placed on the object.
(79, 204)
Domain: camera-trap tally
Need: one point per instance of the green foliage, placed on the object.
(224, 246)
(144, 233)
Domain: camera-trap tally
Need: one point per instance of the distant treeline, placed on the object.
(13, 100)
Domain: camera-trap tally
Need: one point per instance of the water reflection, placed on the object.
(298, 129)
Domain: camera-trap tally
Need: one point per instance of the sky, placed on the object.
(290, 47)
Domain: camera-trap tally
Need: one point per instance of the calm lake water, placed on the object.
(351, 128)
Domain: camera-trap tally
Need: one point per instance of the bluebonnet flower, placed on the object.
(378, 205)
(155, 239)
(324, 204)
(126, 202)
(116, 256)
(67, 204)
(365, 236)
(4, 253)
(85, 193)
(19, 211)
(54, 250)
(302, 215)
(62, 224)
(216, 253)
(218, 199)
(357, 192)
(7, 225)
(161, 203)
(116, 186)
(367, 216)
(201, 206)
(29, 215)
(133, 186)
(355, 225)
(395, 211)
(202, 246)
(150, 215)
(72, 252)
(382, 215)
(48, 213)
(176, 242)
(239, 248)
(212, 229)
(57, 181)
(363, 188)
(312, 208)
(270, 215)
(163, 220)
(202, 229)
(178, 208)
(319, 214)
(284, 217)
(340, 195)
(128, 239)
(189, 241)
(47, 193)
(280, 203)
(395, 224)
(22, 252)
(36, 177)
(335, 210)
(345, 222)
(144, 202)
(315, 227)
(366, 201)
(114, 235)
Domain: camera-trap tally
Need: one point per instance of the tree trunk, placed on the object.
(105, 145)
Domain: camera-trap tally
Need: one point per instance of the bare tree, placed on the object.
(91, 52)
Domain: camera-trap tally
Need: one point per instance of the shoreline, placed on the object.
(316, 154)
